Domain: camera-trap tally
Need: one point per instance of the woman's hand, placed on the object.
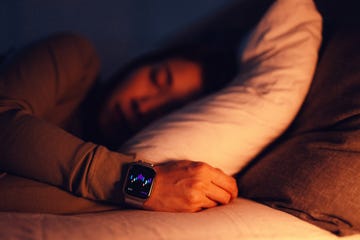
(187, 186)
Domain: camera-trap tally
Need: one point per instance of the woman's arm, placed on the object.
(54, 74)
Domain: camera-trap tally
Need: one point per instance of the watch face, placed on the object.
(139, 181)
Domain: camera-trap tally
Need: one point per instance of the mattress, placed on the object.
(241, 219)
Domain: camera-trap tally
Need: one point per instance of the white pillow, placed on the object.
(229, 128)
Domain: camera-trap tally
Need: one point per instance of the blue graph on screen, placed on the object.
(140, 179)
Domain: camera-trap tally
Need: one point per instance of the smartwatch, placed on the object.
(138, 183)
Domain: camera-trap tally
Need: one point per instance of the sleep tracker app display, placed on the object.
(139, 181)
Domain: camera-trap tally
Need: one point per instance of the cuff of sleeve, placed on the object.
(105, 175)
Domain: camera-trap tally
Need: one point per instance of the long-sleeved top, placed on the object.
(40, 93)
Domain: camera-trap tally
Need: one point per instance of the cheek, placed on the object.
(188, 84)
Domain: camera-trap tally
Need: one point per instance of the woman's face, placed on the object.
(148, 93)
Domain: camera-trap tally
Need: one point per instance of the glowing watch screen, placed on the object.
(139, 181)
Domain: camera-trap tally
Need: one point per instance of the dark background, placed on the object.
(120, 29)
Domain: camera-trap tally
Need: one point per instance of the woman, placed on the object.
(50, 134)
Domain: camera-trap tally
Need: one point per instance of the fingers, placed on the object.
(218, 194)
(213, 183)
(225, 182)
(187, 186)
(208, 203)
(217, 177)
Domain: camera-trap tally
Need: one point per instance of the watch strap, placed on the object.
(135, 202)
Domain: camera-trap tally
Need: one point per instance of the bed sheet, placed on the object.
(241, 219)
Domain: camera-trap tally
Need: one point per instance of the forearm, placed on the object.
(33, 148)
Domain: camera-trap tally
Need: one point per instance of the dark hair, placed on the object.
(218, 68)
(218, 64)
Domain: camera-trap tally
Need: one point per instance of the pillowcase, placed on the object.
(313, 172)
(229, 128)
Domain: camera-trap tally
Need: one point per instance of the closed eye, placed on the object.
(161, 77)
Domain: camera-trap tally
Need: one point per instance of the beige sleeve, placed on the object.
(58, 70)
